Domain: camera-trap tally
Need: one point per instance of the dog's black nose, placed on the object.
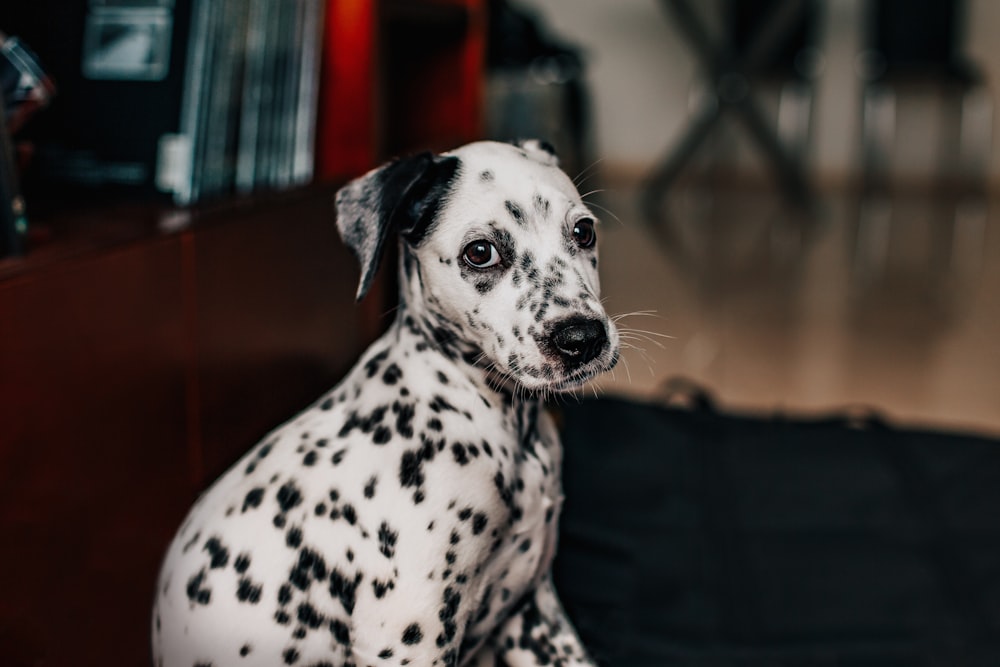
(578, 341)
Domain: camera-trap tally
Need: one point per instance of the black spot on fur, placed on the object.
(387, 540)
(309, 617)
(486, 175)
(392, 374)
(247, 591)
(380, 588)
(410, 469)
(459, 452)
(345, 589)
(412, 635)
(515, 212)
(373, 364)
(542, 205)
(340, 632)
(288, 497)
(370, 487)
(253, 498)
(478, 523)
(404, 419)
(218, 553)
(382, 435)
(449, 609)
(310, 566)
(242, 563)
(440, 404)
(195, 591)
(350, 514)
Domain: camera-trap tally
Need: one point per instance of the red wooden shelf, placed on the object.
(399, 76)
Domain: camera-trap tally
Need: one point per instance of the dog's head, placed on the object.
(498, 259)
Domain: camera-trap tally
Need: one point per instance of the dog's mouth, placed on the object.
(546, 379)
(572, 353)
(581, 376)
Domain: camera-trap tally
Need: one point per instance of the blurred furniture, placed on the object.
(913, 61)
(11, 203)
(399, 76)
(760, 34)
(536, 85)
(143, 348)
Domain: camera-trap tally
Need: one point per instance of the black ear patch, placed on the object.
(403, 196)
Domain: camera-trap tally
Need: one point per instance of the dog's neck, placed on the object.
(429, 330)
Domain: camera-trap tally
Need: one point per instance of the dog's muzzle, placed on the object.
(578, 341)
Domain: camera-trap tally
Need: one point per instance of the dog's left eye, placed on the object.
(584, 233)
(481, 255)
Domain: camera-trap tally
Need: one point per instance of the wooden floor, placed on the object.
(891, 305)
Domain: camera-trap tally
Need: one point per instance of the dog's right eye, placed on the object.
(481, 255)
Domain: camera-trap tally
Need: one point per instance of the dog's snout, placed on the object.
(579, 341)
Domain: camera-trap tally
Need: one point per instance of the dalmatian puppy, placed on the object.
(409, 516)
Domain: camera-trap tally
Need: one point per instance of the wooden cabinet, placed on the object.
(130, 377)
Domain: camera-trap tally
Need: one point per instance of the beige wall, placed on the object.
(641, 76)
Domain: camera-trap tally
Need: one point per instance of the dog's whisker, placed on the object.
(580, 178)
(637, 313)
(592, 192)
(646, 332)
(606, 210)
(628, 371)
(631, 341)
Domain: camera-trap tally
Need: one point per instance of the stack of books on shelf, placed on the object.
(248, 110)
(196, 99)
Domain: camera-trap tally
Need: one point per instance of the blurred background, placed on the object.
(797, 201)
(855, 266)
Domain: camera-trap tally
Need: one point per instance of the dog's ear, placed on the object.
(402, 196)
(539, 150)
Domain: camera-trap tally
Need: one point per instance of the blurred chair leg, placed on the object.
(971, 210)
(789, 170)
(795, 106)
(668, 170)
(878, 129)
(729, 76)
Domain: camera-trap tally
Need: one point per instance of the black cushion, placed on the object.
(700, 538)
